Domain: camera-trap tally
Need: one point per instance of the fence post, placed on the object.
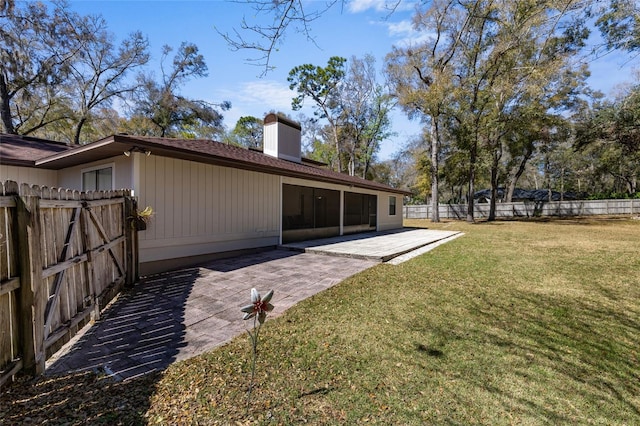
(131, 236)
(32, 288)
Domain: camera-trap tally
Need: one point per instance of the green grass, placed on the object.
(534, 322)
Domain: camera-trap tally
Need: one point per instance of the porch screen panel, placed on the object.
(360, 209)
(309, 208)
(326, 208)
(297, 207)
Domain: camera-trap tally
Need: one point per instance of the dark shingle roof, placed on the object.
(20, 150)
(206, 151)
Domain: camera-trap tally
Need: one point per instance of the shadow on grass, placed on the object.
(559, 220)
(436, 353)
(574, 349)
(542, 358)
(77, 399)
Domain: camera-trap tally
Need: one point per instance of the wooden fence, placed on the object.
(63, 256)
(529, 209)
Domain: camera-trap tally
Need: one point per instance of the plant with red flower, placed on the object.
(258, 311)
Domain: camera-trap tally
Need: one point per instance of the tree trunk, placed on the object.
(5, 108)
(337, 144)
(472, 177)
(76, 136)
(495, 164)
(494, 188)
(435, 137)
(519, 172)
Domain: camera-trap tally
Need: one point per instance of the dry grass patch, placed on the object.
(534, 322)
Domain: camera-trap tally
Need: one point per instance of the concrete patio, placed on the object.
(177, 315)
(376, 246)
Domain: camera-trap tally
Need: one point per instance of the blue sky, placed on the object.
(361, 27)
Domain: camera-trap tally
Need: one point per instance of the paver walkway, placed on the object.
(174, 316)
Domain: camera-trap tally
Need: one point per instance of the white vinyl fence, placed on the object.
(529, 209)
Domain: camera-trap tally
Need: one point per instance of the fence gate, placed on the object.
(81, 256)
(73, 252)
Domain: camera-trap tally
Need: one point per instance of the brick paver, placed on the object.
(177, 315)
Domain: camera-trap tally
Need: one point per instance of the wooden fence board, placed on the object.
(9, 284)
(6, 338)
(61, 288)
(9, 371)
(4, 243)
(32, 293)
(71, 255)
(10, 245)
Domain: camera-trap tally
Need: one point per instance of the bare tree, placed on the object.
(171, 113)
(36, 49)
(58, 70)
(99, 73)
(365, 108)
(281, 16)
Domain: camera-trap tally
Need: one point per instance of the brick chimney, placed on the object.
(282, 138)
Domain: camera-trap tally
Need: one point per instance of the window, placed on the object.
(99, 179)
(392, 206)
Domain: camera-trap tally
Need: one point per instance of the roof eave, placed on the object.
(124, 142)
(73, 152)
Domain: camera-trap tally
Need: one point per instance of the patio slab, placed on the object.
(375, 246)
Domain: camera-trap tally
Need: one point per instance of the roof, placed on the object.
(203, 151)
(18, 150)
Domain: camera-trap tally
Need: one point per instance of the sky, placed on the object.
(358, 28)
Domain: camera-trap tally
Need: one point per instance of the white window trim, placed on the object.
(395, 205)
(98, 167)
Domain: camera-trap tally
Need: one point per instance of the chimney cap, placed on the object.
(275, 118)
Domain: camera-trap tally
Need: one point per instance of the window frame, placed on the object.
(95, 168)
(393, 202)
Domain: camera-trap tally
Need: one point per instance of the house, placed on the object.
(212, 199)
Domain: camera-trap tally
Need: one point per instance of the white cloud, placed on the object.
(256, 98)
(267, 94)
(400, 29)
(404, 34)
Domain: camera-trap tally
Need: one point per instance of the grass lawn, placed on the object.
(528, 323)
